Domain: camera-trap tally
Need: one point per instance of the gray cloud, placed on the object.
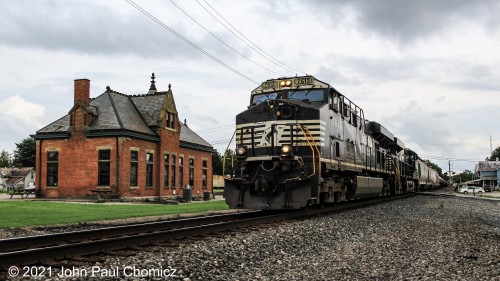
(406, 21)
(90, 28)
(465, 75)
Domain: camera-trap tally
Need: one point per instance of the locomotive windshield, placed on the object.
(311, 95)
(263, 97)
(307, 95)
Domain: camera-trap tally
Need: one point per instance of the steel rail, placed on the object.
(88, 247)
(19, 243)
(30, 256)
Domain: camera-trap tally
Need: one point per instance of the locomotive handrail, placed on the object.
(224, 156)
(304, 129)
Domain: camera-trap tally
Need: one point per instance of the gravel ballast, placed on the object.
(418, 238)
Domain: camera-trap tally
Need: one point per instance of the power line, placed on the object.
(261, 52)
(449, 158)
(222, 41)
(216, 128)
(133, 4)
(220, 141)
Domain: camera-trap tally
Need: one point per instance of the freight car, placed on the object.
(301, 143)
(427, 177)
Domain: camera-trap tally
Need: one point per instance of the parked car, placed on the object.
(471, 189)
(487, 188)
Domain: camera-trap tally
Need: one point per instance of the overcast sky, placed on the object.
(429, 71)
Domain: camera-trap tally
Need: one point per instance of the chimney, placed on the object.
(82, 91)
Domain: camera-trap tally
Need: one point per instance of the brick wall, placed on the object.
(78, 166)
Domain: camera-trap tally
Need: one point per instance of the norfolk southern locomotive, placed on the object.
(301, 143)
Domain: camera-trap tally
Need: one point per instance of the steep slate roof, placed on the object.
(59, 126)
(150, 106)
(115, 111)
(187, 135)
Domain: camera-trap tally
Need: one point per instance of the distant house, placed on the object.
(131, 145)
(11, 178)
(489, 172)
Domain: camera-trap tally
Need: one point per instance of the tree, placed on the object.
(24, 155)
(228, 156)
(466, 175)
(435, 167)
(4, 159)
(495, 154)
(216, 163)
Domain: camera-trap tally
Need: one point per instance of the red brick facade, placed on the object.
(78, 162)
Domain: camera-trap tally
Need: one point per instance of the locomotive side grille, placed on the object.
(280, 132)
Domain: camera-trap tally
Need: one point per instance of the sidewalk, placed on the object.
(5, 196)
(495, 195)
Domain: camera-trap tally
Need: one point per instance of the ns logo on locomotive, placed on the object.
(301, 143)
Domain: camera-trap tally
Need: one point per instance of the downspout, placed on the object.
(159, 157)
(117, 164)
(38, 190)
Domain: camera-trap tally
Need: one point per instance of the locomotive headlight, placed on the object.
(286, 149)
(286, 83)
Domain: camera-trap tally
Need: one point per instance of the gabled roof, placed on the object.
(15, 175)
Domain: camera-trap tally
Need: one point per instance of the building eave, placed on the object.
(96, 134)
(122, 133)
(196, 146)
(45, 136)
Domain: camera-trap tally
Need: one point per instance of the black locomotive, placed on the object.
(301, 142)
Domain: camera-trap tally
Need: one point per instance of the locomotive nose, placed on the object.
(281, 110)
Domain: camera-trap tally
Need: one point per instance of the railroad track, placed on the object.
(36, 249)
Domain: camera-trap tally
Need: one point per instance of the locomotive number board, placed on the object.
(293, 82)
(303, 81)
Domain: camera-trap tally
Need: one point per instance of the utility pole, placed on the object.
(449, 174)
(491, 146)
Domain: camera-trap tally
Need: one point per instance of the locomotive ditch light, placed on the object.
(241, 152)
(286, 150)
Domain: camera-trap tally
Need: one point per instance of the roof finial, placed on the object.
(152, 87)
(169, 86)
(185, 123)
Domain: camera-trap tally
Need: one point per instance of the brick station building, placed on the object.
(131, 145)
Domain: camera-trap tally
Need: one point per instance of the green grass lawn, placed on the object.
(30, 213)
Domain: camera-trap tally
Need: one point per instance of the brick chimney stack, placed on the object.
(82, 91)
